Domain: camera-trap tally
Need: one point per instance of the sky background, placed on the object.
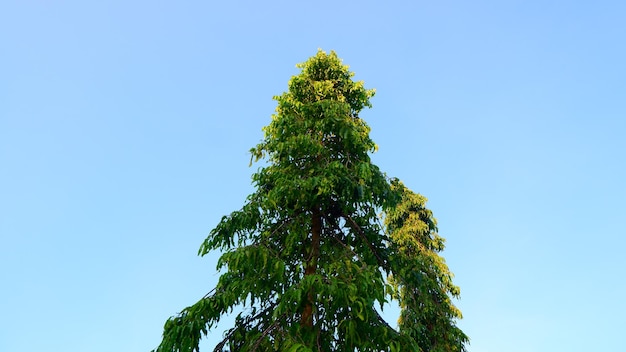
(125, 128)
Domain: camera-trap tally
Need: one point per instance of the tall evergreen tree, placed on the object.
(307, 259)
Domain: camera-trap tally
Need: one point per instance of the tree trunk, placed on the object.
(311, 266)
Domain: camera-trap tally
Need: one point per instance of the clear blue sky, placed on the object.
(125, 128)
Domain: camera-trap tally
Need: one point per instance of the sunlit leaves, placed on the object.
(421, 280)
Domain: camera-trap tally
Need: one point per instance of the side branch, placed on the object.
(220, 346)
(358, 230)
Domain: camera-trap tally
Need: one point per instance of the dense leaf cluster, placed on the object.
(307, 259)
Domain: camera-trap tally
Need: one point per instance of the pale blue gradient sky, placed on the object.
(125, 128)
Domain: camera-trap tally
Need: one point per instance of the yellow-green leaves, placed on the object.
(421, 279)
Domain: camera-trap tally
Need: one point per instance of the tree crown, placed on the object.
(306, 258)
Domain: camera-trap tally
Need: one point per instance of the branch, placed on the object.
(266, 332)
(358, 229)
(220, 345)
(347, 247)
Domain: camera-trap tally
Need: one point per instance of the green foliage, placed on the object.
(421, 280)
(307, 259)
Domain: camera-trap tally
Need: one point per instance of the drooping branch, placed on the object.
(360, 232)
(267, 330)
(248, 320)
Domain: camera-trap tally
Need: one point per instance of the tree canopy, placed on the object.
(325, 240)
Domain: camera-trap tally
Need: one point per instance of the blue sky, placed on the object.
(125, 128)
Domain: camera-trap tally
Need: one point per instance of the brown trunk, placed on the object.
(311, 266)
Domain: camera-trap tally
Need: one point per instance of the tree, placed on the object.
(325, 238)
